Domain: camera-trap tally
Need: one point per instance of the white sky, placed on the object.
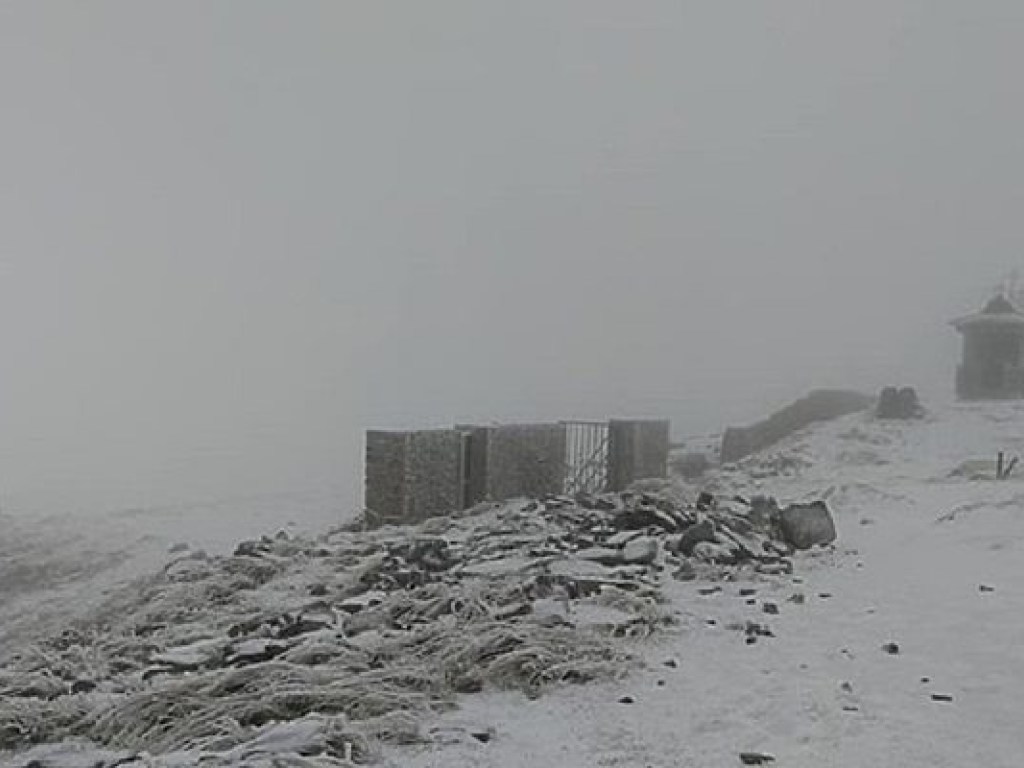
(235, 234)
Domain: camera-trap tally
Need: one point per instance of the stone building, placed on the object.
(993, 353)
(411, 476)
(636, 450)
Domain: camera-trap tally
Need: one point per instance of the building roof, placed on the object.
(998, 313)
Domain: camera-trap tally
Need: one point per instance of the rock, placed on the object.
(83, 686)
(622, 538)
(255, 651)
(797, 598)
(303, 625)
(804, 525)
(602, 555)
(944, 697)
(754, 629)
(685, 572)
(181, 546)
(986, 588)
(627, 700)
(671, 663)
(756, 758)
(247, 549)
(715, 553)
(892, 649)
(770, 608)
(318, 590)
(896, 403)
(358, 603)
(641, 551)
(701, 532)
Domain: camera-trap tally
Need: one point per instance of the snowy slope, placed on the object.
(823, 692)
(927, 559)
(55, 568)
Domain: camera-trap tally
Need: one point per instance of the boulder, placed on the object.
(642, 551)
(695, 534)
(804, 525)
(899, 403)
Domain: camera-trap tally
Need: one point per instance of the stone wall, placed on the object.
(433, 473)
(525, 460)
(820, 405)
(411, 476)
(637, 449)
(385, 473)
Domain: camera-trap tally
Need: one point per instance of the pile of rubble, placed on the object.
(311, 652)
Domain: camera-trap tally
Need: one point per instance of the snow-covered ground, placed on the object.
(917, 554)
(928, 559)
(55, 568)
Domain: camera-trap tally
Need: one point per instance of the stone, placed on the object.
(770, 608)
(641, 551)
(602, 555)
(83, 686)
(247, 549)
(899, 403)
(805, 525)
(756, 758)
(685, 572)
(694, 535)
(892, 649)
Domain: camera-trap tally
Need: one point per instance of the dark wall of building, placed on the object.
(475, 463)
(433, 473)
(636, 450)
(525, 460)
(385, 473)
(411, 476)
(991, 364)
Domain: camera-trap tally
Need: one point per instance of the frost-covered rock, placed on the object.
(805, 525)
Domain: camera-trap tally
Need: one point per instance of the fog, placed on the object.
(234, 235)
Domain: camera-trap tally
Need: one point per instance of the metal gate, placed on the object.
(586, 460)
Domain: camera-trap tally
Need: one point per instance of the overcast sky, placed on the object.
(233, 235)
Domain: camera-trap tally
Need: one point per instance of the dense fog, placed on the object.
(233, 236)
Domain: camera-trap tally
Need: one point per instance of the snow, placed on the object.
(926, 558)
